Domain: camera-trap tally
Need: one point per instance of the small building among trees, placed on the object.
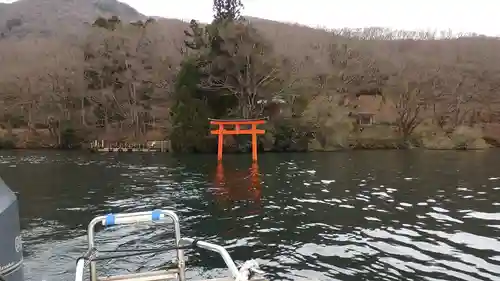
(370, 107)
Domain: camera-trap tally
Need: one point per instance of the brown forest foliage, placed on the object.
(163, 79)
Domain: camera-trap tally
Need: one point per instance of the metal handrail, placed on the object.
(128, 218)
(156, 215)
(217, 249)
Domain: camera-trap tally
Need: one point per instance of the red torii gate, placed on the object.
(221, 131)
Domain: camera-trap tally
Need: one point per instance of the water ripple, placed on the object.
(304, 217)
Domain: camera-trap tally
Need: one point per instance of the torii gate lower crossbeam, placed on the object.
(221, 131)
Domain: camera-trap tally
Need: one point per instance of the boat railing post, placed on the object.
(181, 262)
(91, 244)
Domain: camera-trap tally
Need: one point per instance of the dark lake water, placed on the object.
(374, 215)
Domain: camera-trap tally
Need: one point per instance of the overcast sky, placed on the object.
(458, 15)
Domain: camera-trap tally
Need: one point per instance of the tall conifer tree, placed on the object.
(227, 10)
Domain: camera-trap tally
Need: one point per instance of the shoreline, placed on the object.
(246, 152)
(275, 141)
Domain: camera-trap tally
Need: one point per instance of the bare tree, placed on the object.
(410, 105)
(410, 87)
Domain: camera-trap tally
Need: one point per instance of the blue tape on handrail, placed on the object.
(156, 215)
(110, 220)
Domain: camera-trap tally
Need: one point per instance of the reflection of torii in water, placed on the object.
(230, 187)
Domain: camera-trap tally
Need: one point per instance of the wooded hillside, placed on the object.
(44, 18)
(119, 79)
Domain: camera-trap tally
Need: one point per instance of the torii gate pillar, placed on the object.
(237, 130)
